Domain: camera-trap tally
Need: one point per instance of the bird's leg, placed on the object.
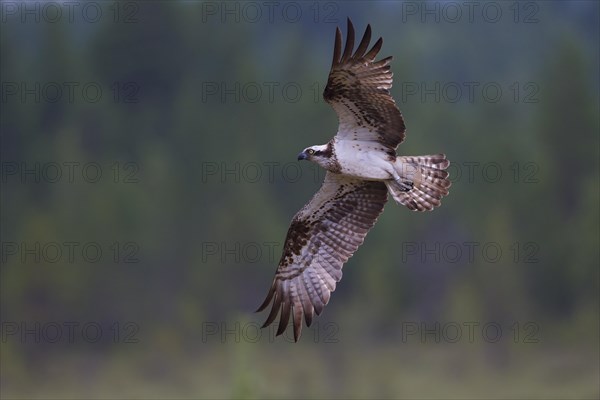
(403, 185)
(395, 175)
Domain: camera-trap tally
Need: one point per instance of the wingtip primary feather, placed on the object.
(349, 42)
(284, 318)
(274, 311)
(297, 320)
(374, 50)
(349, 24)
(337, 47)
(364, 43)
(267, 300)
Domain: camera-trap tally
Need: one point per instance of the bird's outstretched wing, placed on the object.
(322, 236)
(358, 89)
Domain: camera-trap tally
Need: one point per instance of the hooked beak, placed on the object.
(302, 156)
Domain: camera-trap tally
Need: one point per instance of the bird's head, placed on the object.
(321, 154)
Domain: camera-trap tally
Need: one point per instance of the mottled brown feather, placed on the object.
(358, 89)
(323, 235)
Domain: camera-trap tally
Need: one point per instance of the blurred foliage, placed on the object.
(177, 132)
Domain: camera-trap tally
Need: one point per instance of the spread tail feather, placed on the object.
(421, 183)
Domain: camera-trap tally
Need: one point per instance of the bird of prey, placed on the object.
(362, 167)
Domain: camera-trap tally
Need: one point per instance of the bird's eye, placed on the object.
(311, 151)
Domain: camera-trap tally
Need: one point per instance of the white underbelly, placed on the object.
(360, 161)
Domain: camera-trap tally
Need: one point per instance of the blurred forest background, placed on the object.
(142, 281)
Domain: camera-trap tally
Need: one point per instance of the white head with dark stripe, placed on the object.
(322, 155)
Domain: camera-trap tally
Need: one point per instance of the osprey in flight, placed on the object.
(362, 167)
